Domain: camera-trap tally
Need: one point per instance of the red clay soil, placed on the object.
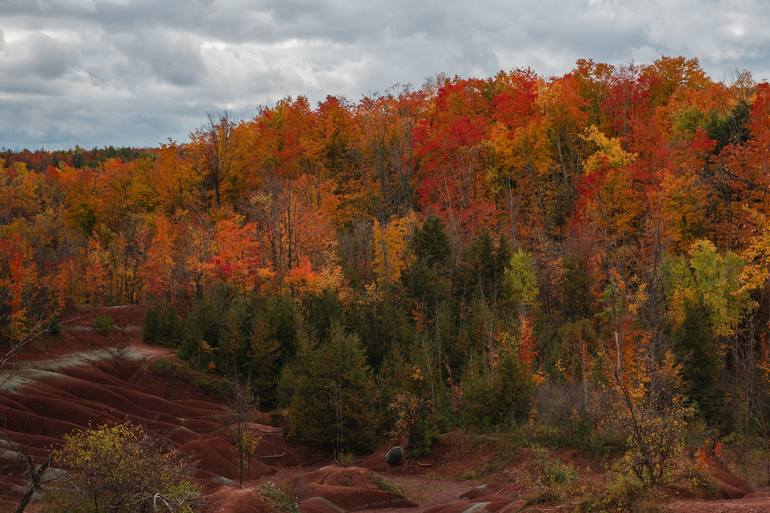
(38, 415)
(730, 486)
(755, 502)
(345, 488)
(78, 334)
(452, 456)
(435, 487)
(87, 379)
(227, 499)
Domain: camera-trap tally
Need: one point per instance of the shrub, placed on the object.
(103, 324)
(120, 468)
(658, 425)
(54, 325)
(496, 397)
(413, 426)
(210, 385)
(571, 414)
(278, 498)
(621, 495)
(162, 326)
(553, 472)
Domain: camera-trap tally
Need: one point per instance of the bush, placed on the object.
(497, 397)
(209, 385)
(162, 326)
(54, 326)
(621, 495)
(120, 468)
(103, 324)
(571, 414)
(552, 472)
(659, 426)
(278, 498)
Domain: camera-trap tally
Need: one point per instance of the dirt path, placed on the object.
(758, 502)
(425, 491)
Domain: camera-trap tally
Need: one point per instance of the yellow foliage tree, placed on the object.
(390, 244)
(609, 152)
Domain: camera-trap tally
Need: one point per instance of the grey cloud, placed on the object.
(39, 55)
(170, 56)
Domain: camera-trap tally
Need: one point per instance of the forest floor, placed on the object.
(81, 377)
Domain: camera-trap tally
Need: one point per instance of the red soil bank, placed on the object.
(237, 500)
(343, 489)
(81, 378)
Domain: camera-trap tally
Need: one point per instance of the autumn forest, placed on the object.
(583, 260)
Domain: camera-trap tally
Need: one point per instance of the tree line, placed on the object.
(480, 252)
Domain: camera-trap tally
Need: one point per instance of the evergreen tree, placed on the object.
(333, 397)
(698, 351)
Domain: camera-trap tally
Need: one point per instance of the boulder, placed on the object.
(395, 455)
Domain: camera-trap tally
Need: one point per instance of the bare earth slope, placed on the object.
(81, 378)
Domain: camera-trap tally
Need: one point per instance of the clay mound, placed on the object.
(216, 456)
(347, 489)
(376, 460)
(467, 506)
(99, 386)
(237, 500)
(730, 486)
(356, 477)
(350, 498)
(485, 498)
(78, 332)
(484, 490)
(318, 505)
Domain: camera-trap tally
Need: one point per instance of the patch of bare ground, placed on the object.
(83, 378)
(755, 502)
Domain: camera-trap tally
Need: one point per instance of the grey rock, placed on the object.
(395, 455)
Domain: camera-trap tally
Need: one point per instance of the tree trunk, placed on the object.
(36, 476)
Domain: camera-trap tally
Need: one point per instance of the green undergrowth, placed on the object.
(382, 484)
(506, 445)
(103, 324)
(278, 498)
(210, 385)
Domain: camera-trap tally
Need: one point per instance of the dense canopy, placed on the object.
(489, 234)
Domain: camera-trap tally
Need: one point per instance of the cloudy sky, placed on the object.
(137, 72)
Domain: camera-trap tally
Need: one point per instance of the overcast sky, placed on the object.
(137, 72)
